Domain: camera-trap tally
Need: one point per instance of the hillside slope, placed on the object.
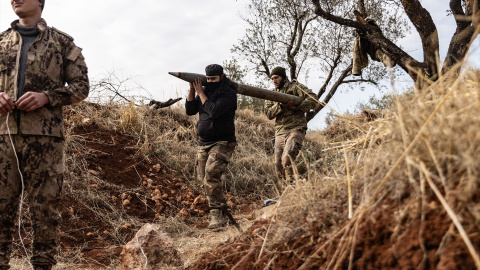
(398, 192)
(413, 199)
(129, 165)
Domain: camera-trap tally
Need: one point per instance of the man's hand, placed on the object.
(31, 101)
(197, 84)
(6, 103)
(289, 105)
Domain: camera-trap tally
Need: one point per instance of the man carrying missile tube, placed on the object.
(216, 105)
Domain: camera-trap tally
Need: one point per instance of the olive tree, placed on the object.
(465, 13)
(290, 34)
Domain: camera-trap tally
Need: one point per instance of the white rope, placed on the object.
(21, 196)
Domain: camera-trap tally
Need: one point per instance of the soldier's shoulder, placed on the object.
(297, 84)
(5, 32)
(61, 33)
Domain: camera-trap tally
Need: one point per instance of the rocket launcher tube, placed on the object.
(244, 89)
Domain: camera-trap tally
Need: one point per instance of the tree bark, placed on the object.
(361, 8)
(464, 33)
(158, 104)
(423, 22)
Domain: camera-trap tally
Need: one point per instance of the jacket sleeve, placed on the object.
(192, 107)
(76, 77)
(222, 104)
(272, 109)
(310, 100)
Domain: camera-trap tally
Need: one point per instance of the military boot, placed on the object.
(217, 219)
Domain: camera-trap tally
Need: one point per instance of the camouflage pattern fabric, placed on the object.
(360, 58)
(212, 161)
(42, 167)
(287, 147)
(53, 60)
(287, 120)
(362, 47)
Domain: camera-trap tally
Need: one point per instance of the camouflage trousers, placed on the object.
(287, 146)
(212, 161)
(41, 163)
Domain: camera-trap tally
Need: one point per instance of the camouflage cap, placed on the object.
(43, 3)
(280, 71)
(214, 70)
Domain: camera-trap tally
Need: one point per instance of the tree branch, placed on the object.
(333, 90)
(336, 19)
(423, 22)
(361, 7)
(462, 38)
(158, 104)
(336, 61)
(361, 80)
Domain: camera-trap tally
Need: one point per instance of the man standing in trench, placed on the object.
(216, 106)
(290, 123)
(36, 63)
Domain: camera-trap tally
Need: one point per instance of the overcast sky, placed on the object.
(148, 38)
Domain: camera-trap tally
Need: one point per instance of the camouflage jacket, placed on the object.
(287, 120)
(53, 61)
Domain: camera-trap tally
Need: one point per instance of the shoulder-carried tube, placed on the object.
(244, 89)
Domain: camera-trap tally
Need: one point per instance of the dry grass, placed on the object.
(425, 150)
(170, 136)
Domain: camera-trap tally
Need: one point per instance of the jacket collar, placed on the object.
(285, 85)
(42, 25)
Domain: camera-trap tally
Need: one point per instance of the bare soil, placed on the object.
(379, 243)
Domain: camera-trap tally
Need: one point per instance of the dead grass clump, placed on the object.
(421, 157)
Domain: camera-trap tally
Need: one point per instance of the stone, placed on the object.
(150, 249)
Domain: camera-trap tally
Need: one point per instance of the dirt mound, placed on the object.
(137, 187)
(378, 242)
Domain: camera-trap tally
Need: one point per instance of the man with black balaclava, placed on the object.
(290, 123)
(216, 105)
(41, 70)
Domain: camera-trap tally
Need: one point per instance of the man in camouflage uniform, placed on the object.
(36, 63)
(290, 123)
(216, 106)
